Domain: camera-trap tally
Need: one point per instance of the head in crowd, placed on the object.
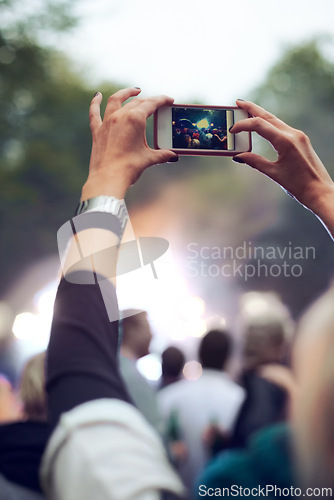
(172, 363)
(215, 349)
(32, 388)
(313, 409)
(137, 334)
(187, 139)
(10, 408)
(266, 329)
(264, 343)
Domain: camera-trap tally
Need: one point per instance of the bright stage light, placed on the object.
(150, 367)
(193, 307)
(221, 323)
(34, 328)
(177, 331)
(203, 123)
(173, 311)
(45, 300)
(25, 325)
(195, 328)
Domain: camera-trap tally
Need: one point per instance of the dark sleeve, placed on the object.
(82, 362)
(265, 404)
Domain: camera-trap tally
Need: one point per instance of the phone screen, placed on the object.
(202, 128)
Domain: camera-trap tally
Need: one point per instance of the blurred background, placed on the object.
(54, 55)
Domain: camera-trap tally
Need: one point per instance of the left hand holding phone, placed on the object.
(120, 152)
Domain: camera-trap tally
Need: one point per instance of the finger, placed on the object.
(256, 161)
(158, 156)
(263, 128)
(116, 100)
(149, 105)
(256, 110)
(95, 113)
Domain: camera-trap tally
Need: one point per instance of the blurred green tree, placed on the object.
(299, 89)
(45, 145)
(44, 133)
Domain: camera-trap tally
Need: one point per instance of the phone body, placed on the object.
(191, 129)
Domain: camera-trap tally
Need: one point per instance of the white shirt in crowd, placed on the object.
(213, 398)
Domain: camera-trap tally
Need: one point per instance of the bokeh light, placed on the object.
(150, 367)
(33, 328)
(192, 370)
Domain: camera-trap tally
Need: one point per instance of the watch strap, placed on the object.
(97, 213)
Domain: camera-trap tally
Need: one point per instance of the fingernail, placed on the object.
(138, 88)
(238, 160)
(173, 160)
(230, 128)
(240, 99)
(97, 93)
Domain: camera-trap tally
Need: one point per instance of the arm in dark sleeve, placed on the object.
(82, 362)
(264, 405)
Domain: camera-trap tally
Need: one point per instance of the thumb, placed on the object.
(164, 156)
(254, 161)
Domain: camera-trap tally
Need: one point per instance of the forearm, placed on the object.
(323, 207)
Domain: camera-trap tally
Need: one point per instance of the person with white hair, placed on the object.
(266, 378)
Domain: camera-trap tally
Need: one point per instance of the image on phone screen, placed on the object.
(202, 128)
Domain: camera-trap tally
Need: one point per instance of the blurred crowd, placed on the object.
(194, 138)
(218, 430)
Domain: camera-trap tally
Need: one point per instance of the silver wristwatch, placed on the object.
(107, 204)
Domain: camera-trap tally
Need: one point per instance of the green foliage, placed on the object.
(45, 146)
(27, 19)
(299, 89)
(44, 141)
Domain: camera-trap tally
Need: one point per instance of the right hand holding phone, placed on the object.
(297, 169)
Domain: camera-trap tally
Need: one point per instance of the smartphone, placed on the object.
(190, 129)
